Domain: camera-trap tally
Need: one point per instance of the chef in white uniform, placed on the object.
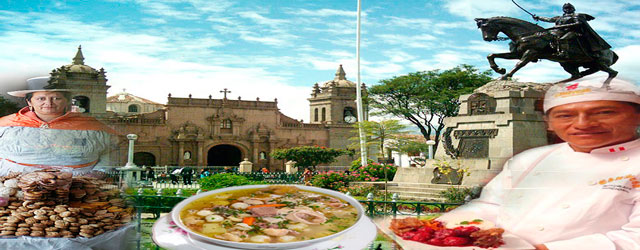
(583, 194)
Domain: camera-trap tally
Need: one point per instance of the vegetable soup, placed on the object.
(274, 214)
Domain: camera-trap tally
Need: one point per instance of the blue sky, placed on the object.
(275, 48)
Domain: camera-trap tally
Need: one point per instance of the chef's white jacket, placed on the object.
(567, 200)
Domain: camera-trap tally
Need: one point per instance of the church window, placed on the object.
(187, 155)
(349, 115)
(315, 115)
(324, 114)
(133, 108)
(226, 124)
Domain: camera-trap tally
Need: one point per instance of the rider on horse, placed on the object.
(573, 25)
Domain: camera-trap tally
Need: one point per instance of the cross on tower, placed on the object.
(225, 91)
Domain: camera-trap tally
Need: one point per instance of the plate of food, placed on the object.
(454, 233)
(166, 234)
(267, 216)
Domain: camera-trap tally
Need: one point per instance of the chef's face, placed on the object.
(48, 103)
(594, 124)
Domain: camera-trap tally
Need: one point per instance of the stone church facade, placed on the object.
(190, 131)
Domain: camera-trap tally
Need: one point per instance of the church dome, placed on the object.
(340, 80)
(78, 64)
(74, 68)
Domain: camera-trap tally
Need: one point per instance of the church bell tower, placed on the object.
(334, 102)
(89, 85)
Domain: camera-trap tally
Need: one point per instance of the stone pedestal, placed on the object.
(130, 176)
(245, 166)
(290, 167)
(497, 121)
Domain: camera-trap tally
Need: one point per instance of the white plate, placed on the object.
(511, 241)
(175, 216)
(167, 234)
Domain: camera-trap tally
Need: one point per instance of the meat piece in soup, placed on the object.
(269, 215)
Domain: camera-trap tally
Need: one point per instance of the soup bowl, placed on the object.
(176, 211)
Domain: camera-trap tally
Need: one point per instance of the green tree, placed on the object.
(309, 156)
(425, 98)
(379, 134)
(7, 107)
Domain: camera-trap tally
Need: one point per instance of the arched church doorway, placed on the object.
(144, 159)
(224, 155)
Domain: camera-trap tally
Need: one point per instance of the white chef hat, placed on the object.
(591, 89)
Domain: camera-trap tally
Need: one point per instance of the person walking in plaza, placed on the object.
(187, 174)
(583, 193)
(149, 174)
(174, 175)
(306, 176)
(204, 172)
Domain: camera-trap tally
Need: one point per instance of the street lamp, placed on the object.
(431, 143)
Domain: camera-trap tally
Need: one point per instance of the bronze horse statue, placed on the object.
(530, 42)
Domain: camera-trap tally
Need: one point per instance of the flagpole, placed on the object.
(363, 139)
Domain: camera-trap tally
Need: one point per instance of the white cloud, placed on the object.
(166, 10)
(629, 63)
(219, 19)
(417, 41)
(211, 6)
(323, 13)
(473, 8)
(416, 23)
(444, 60)
(146, 65)
(488, 47)
(383, 70)
(202, 81)
(541, 72)
(274, 40)
(262, 20)
(398, 56)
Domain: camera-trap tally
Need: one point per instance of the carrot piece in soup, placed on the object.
(248, 220)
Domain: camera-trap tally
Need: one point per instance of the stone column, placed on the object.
(132, 138)
(270, 162)
(200, 154)
(255, 151)
(181, 154)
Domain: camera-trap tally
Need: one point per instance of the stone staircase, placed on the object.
(418, 191)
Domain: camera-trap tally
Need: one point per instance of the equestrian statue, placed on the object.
(571, 42)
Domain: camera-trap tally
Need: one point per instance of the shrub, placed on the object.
(356, 164)
(217, 181)
(362, 190)
(309, 156)
(374, 172)
(165, 191)
(331, 180)
(456, 194)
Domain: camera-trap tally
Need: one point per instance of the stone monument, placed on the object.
(500, 119)
(497, 121)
